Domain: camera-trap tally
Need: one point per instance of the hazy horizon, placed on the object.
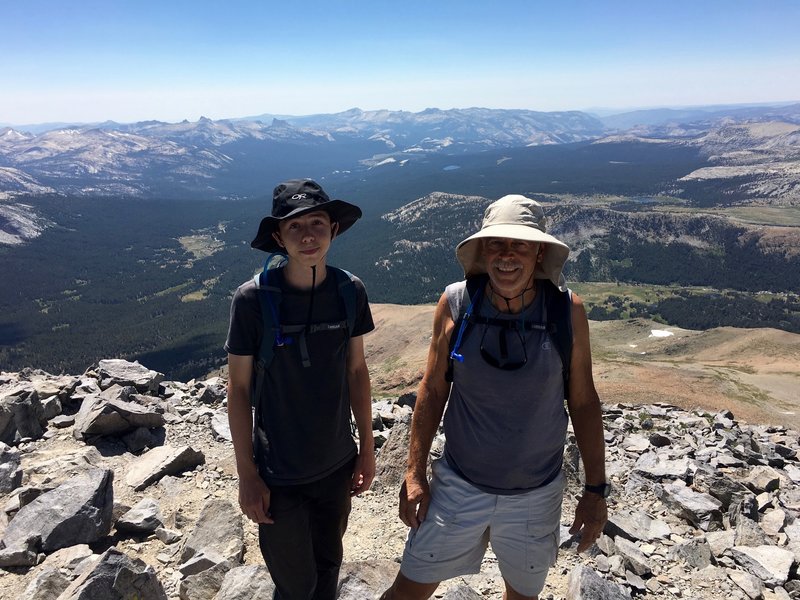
(600, 112)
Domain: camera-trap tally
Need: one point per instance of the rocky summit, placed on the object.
(116, 484)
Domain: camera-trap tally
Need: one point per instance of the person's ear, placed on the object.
(540, 254)
(334, 230)
(277, 237)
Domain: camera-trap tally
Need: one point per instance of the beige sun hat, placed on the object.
(520, 218)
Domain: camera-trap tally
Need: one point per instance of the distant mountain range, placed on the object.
(236, 158)
(245, 157)
(703, 114)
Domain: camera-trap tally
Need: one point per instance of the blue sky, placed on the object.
(173, 60)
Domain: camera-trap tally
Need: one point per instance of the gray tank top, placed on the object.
(505, 429)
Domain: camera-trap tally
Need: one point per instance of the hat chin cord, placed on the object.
(311, 300)
(510, 298)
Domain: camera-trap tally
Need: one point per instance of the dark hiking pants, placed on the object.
(303, 547)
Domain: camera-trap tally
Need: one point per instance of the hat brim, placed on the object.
(470, 252)
(341, 212)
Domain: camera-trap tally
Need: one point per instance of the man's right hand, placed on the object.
(415, 496)
(254, 498)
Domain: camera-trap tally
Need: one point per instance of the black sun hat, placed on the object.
(297, 197)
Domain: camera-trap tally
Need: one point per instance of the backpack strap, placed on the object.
(472, 289)
(558, 307)
(557, 316)
(347, 293)
(274, 335)
(269, 296)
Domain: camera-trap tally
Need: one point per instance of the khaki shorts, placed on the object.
(522, 528)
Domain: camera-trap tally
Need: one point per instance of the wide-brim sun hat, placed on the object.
(297, 197)
(519, 218)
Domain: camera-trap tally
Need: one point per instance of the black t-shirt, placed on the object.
(303, 421)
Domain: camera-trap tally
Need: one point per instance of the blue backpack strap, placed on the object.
(558, 317)
(472, 289)
(269, 296)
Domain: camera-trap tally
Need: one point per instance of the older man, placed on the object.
(509, 345)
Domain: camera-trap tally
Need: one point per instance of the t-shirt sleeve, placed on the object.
(364, 323)
(246, 325)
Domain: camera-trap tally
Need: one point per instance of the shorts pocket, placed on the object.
(541, 546)
(432, 541)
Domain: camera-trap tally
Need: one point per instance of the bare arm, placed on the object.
(431, 399)
(361, 405)
(253, 492)
(587, 422)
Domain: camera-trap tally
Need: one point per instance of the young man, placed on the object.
(523, 349)
(297, 463)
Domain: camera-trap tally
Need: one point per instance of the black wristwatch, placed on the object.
(604, 489)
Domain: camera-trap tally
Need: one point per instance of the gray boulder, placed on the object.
(723, 488)
(218, 530)
(633, 558)
(202, 561)
(250, 582)
(366, 579)
(212, 391)
(657, 466)
(702, 510)
(72, 558)
(636, 525)
(144, 517)
(10, 471)
(21, 414)
(585, 584)
(144, 437)
(126, 393)
(220, 427)
(168, 536)
(749, 533)
(54, 386)
(161, 461)
(720, 541)
(769, 563)
(63, 421)
(461, 592)
(122, 372)
(763, 479)
(793, 539)
(774, 521)
(205, 584)
(390, 464)
(48, 584)
(22, 554)
(750, 584)
(695, 553)
(76, 512)
(116, 576)
(113, 417)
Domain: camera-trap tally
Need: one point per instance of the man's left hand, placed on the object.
(590, 518)
(363, 473)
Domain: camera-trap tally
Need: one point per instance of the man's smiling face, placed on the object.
(511, 263)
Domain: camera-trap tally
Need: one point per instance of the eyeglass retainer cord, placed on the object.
(454, 354)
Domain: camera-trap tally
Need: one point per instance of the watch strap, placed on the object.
(603, 489)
